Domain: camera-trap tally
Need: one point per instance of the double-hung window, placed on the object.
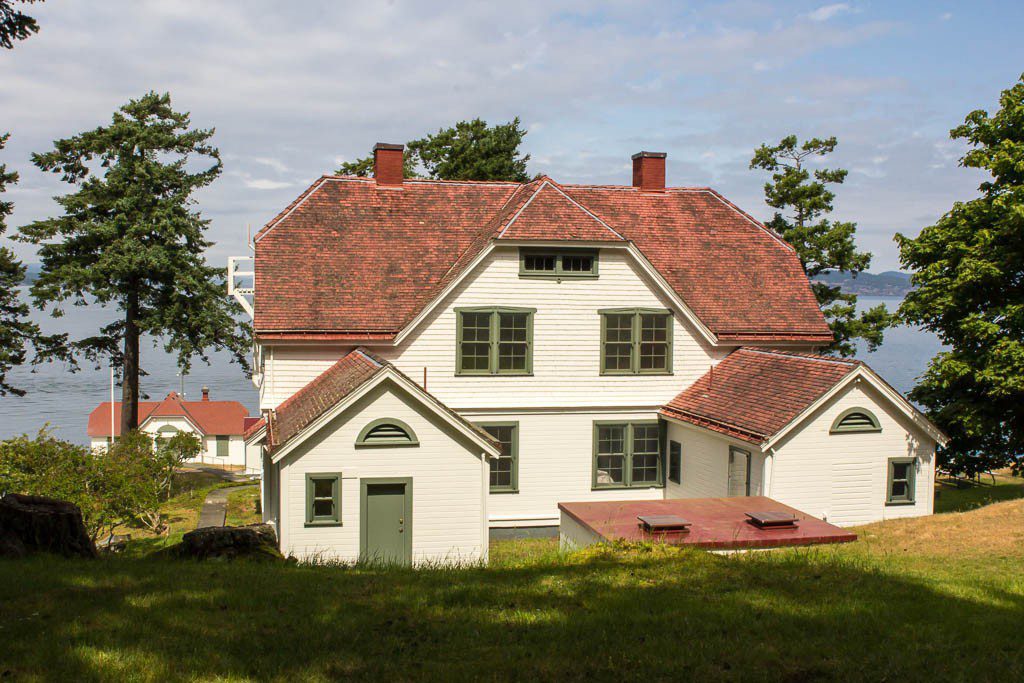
(627, 454)
(223, 444)
(504, 468)
(636, 341)
(494, 341)
(900, 486)
(323, 499)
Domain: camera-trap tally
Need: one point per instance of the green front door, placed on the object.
(386, 525)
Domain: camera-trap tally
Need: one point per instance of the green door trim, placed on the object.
(364, 517)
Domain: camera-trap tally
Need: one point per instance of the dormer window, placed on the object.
(557, 263)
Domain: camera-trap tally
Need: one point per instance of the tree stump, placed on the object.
(255, 541)
(34, 524)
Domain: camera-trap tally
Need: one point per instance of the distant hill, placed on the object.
(32, 271)
(889, 283)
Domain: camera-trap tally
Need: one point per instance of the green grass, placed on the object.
(242, 506)
(889, 607)
(953, 498)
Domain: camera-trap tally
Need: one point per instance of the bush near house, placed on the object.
(930, 598)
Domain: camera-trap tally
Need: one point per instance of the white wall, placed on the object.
(208, 444)
(843, 477)
(555, 466)
(705, 463)
(449, 501)
(566, 344)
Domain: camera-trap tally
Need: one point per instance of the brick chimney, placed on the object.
(649, 171)
(206, 393)
(387, 163)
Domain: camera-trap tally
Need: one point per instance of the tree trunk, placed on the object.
(130, 369)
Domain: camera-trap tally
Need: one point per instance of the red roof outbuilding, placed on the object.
(211, 418)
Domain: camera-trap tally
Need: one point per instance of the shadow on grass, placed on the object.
(795, 617)
(965, 496)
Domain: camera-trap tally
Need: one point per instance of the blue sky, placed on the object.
(294, 88)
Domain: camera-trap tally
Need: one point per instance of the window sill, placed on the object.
(502, 491)
(894, 503)
(322, 524)
(641, 373)
(385, 444)
(494, 374)
(639, 487)
(548, 276)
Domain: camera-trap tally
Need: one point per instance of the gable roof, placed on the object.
(352, 260)
(756, 395)
(319, 398)
(211, 418)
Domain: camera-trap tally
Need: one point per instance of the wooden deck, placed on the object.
(716, 523)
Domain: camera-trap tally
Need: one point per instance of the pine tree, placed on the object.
(469, 150)
(131, 238)
(822, 245)
(17, 332)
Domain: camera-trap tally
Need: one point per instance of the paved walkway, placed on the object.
(215, 507)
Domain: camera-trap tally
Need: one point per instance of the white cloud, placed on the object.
(826, 12)
(945, 16)
(265, 184)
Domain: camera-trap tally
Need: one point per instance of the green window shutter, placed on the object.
(505, 468)
(628, 454)
(323, 499)
(900, 482)
(223, 444)
(675, 462)
(494, 341)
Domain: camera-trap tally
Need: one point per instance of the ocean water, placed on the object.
(64, 399)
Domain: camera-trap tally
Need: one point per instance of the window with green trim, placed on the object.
(505, 468)
(900, 484)
(494, 341)
(223, 443)
(557, 263)
(675, 462)
(627, 454)
(323, 499)
(636, 341)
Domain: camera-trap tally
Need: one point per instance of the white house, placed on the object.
(220, 426)
(619, 343)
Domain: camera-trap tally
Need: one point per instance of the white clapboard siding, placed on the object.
(842, 477)
(705, 464)
(566, 344)
(449, 500)
(556, 453)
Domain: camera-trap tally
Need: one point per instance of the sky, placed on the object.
(295, 88)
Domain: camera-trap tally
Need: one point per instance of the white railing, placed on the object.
(242, 283)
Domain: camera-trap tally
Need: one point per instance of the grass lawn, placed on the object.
(242, 506)
(182, 511)
(951, 498)
(939, 598)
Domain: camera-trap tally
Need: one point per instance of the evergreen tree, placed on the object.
(969, 290)
(802, 200)
(17, 332)
(15, 24)
(130, 238)
(469, 150)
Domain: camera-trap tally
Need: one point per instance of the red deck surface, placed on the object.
(717, 523)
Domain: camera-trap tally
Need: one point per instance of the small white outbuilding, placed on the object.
(363, 464)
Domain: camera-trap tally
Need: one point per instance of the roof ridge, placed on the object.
(420, 181)
(806, 356)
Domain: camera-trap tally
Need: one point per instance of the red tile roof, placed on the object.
(328, 389)
(754, 393)
(213, 418)
(353, 259)
(316, 398)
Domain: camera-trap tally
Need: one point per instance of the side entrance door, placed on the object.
(739, 472)
(385, 533)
